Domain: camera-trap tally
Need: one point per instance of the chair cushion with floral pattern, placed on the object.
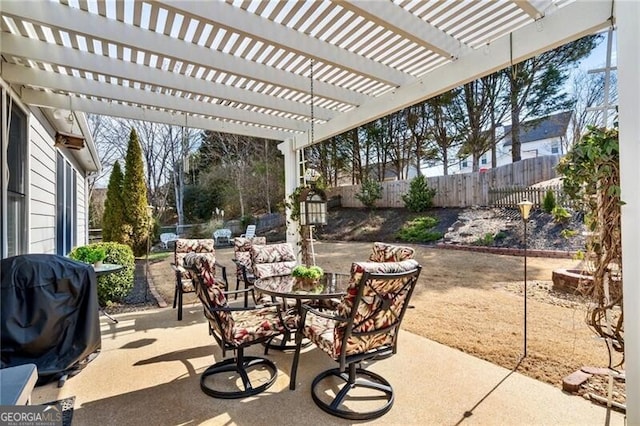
(373, 312)
(273, 259)
(383, 252)
(238, 327)
(242, 253)
(185, 246)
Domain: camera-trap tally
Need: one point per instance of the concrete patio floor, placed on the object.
(149, 368)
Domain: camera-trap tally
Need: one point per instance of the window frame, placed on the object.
(20, 223)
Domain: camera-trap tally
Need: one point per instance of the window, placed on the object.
(465, 164)
(555, 148)
(483, 160)
(14, 160)
(66, 220)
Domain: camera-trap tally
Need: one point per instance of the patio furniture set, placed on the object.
(352, 317)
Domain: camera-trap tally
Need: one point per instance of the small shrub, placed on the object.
(419, 197)
(560, 214)
(549, 202)
(113, 287)
(370, 192)
(487, 240)
(420, 230)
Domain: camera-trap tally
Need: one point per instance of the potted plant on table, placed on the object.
(92, 254)
(307, 276)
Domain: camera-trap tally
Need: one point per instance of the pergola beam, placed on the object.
(408, 25)
(17, 74)
(94, 26)
(110, 67)
(113, 109)
(567, 24)
(238, 20)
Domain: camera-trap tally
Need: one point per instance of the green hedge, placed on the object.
(113, 287)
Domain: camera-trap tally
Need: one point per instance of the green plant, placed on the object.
(591, 176)
(560, 214)
(419, 197)
(549, 201)
(370, 192)
(309, 272)
(420, 230)
(90, 253)
(568, 233)
(134, 191)
(487, 240)
(113, 287)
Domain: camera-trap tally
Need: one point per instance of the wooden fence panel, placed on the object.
(468, 189)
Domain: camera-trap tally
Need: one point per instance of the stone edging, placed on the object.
(154, 292)
(559, 254)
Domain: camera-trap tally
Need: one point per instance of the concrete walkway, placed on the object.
(148, 374)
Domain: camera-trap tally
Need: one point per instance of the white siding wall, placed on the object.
(42, 190)
(82, 211)
(42, 178)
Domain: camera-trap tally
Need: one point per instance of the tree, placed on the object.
(113, 217)
(134, 191)
(536, 84)
(443, 133)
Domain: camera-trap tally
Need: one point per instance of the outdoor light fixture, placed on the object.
(69, 140)
(313, 207)
(525, 209)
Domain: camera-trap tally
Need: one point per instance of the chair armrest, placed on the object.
(307, 308)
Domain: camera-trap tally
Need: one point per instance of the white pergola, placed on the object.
(243, 67)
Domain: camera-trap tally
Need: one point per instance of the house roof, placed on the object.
(551, 126)
(244, 66)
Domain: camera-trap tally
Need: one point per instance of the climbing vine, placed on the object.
(592, 177)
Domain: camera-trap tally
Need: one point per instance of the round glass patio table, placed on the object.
(331, 285)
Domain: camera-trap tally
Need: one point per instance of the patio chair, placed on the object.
(383, 252)
(250, 232)
(234, 329)
(364, 326)
(184, 279)
(166, 238)
(242, 259)
(220, 235)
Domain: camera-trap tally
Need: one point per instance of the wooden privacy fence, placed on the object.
(462, 190)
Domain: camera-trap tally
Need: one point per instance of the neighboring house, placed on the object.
(548, 135)
(45, 195)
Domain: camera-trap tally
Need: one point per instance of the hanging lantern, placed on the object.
(313, 207)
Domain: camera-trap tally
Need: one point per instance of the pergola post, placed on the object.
(627, 18)
(291, 182)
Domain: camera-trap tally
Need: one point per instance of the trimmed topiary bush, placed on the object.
(419, 197)
(113, 287)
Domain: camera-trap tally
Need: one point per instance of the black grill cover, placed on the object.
(49, 314)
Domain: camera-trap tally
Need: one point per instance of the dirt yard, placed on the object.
(474, 302)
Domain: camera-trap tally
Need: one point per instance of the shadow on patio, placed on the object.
(148, 373)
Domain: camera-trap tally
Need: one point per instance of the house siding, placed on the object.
(42, 178)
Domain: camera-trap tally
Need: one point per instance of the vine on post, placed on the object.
(592, 177)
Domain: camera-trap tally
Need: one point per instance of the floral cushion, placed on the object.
(185, 246)
(238, 327)
(273, 259)
(383, 252)
(380, 307)
(242, 252)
